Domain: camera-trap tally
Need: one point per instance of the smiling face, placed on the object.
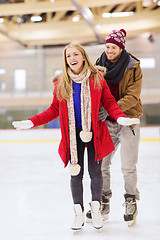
(113, 52)
(74, 59)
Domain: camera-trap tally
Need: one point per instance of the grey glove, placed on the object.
(103, 114)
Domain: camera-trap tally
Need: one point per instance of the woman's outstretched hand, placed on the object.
(24, 124)
(125, 121)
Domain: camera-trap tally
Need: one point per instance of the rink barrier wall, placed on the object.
(58, 140)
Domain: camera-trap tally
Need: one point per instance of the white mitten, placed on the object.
(25, 124)
(125, 121)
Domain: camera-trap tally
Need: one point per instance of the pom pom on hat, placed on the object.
(117, 37)
(124, 31)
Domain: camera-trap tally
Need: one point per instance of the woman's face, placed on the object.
(113, 52)
(74, 59)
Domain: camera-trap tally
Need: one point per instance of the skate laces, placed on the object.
(103, 205)
(104, 201)
(130, 206)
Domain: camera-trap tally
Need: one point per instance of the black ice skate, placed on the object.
(130, 210)
(105, 209)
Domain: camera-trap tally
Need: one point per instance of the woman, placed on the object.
(78, 95)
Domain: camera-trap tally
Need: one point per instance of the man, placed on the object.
(124, 78)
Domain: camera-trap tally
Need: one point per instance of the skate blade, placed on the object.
(131, 223)
(75, 231)
(98, 228)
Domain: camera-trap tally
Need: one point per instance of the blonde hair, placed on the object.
(64, 88)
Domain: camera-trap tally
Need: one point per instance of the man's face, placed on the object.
(113, 52)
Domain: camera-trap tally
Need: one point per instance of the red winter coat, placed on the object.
(102, 140)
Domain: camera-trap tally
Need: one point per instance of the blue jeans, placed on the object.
(94, 169)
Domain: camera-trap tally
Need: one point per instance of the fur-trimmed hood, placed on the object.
(55, 78)
(101, 69)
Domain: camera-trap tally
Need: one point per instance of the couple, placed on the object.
(89, 104)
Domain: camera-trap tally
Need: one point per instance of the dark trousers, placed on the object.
(94, 169)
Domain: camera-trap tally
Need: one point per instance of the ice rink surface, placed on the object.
(35, 197)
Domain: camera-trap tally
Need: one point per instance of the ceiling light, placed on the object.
(106, 15)
(36, 18)
(121, 14)
(117, 14)
(76, 18)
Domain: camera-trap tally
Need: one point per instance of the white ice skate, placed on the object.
(96, 215)
(79, 218)
(105, 209)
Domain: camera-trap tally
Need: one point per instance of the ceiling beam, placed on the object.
(35, 7)
(13, 39)
(87, 15)
(63, 32)
(46, 6)
(99, 3)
